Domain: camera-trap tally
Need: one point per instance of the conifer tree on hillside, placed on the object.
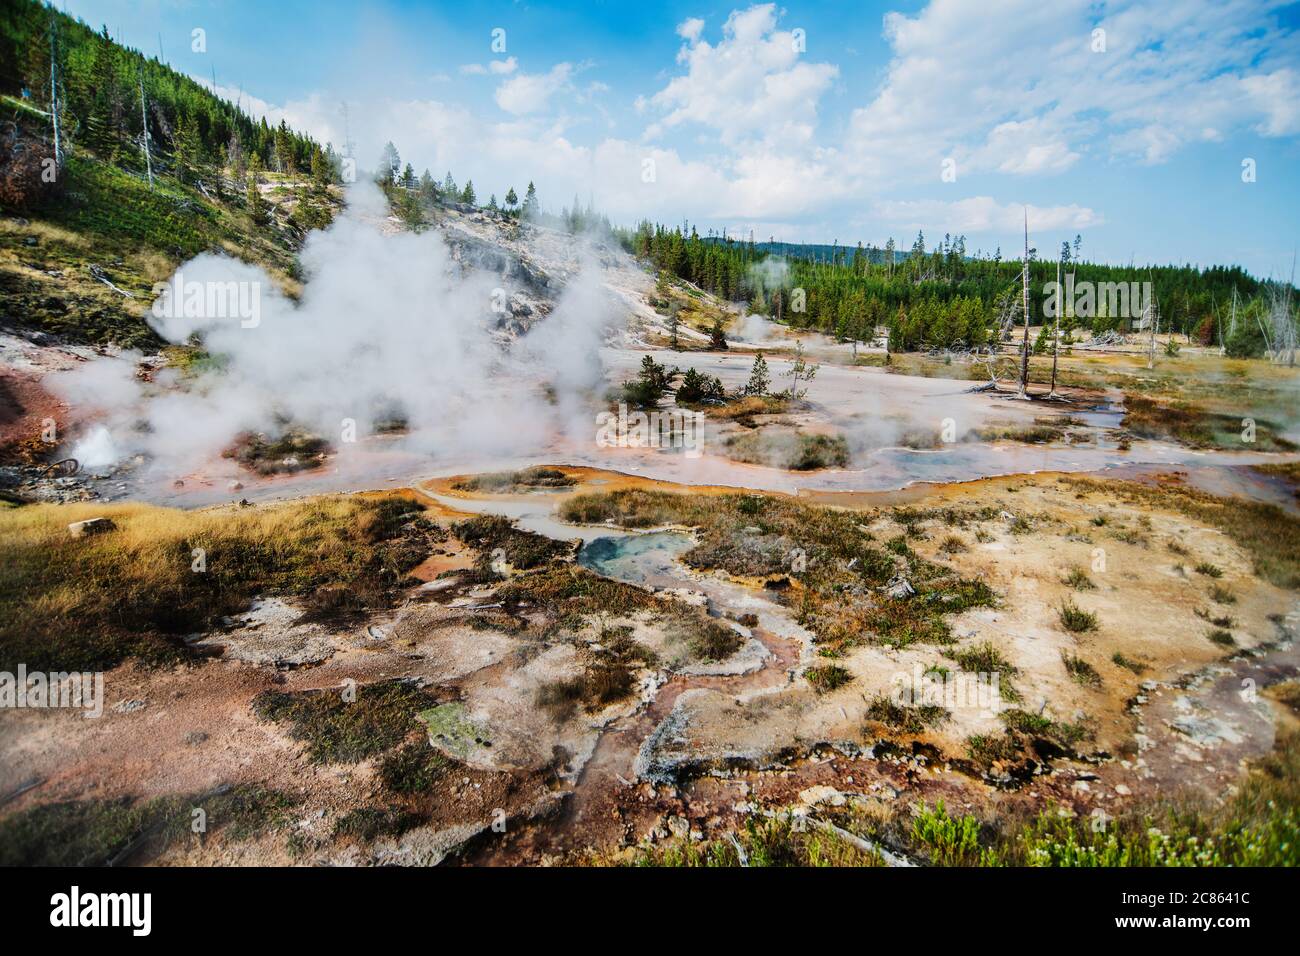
(284, 158)
(428, 188)
(100, 110)
(258, 210)
(103, 109)
(321, 171)
(467, 194)
(187, 150)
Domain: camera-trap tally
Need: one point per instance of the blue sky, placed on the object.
(810, 121)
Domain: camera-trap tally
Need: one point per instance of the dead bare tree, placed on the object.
(1280, 333)
(1023, 391)
(1056, 332)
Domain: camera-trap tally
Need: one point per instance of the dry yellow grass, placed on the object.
(90, 602)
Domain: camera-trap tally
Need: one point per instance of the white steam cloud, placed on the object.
(385, 324)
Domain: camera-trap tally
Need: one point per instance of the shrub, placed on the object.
(827, 677)
(1080, 670)
(1075, 619)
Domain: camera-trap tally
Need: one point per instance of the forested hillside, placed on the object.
(937, 296)
(151, 168)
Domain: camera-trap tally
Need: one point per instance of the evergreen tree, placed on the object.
(467, 194)
(284, 149)
(759, 378)
(511, 199)
(717, 337)
(321, 171)
(105, 103)
(258, 210)
(428, 188)
(187, 150)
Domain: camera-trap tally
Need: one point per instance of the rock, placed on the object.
(129, 706)
(900, 588)
(82, 529)
(678, 827)
(195, 737)
(236, 486)
(1122, 789)
(821, 794)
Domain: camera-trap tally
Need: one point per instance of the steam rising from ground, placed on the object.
(386, 324)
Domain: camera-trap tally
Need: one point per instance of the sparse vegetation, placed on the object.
(1079, 580)
(337, 730)
(501, 482)
(108, 832)
(953, 545)
(1190, 423)
(1221, 595)
(1080, 671)
(1222, 638)
(520, 549)
(1076, 620)
(367, 824)
(1120, 660)
(89, 603)
(413, 768)
(773, 842)
(291, 452)
(827, 677)
(906, 718)
(795, 451)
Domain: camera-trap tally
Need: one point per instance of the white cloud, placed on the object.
(1016, 87)
(532, 92)
(690, 29)
(980, 214)
(977, 83)
(495, 67)
(1276, 96)
(752, 86)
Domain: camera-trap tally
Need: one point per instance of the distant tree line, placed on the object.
(930, 297)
